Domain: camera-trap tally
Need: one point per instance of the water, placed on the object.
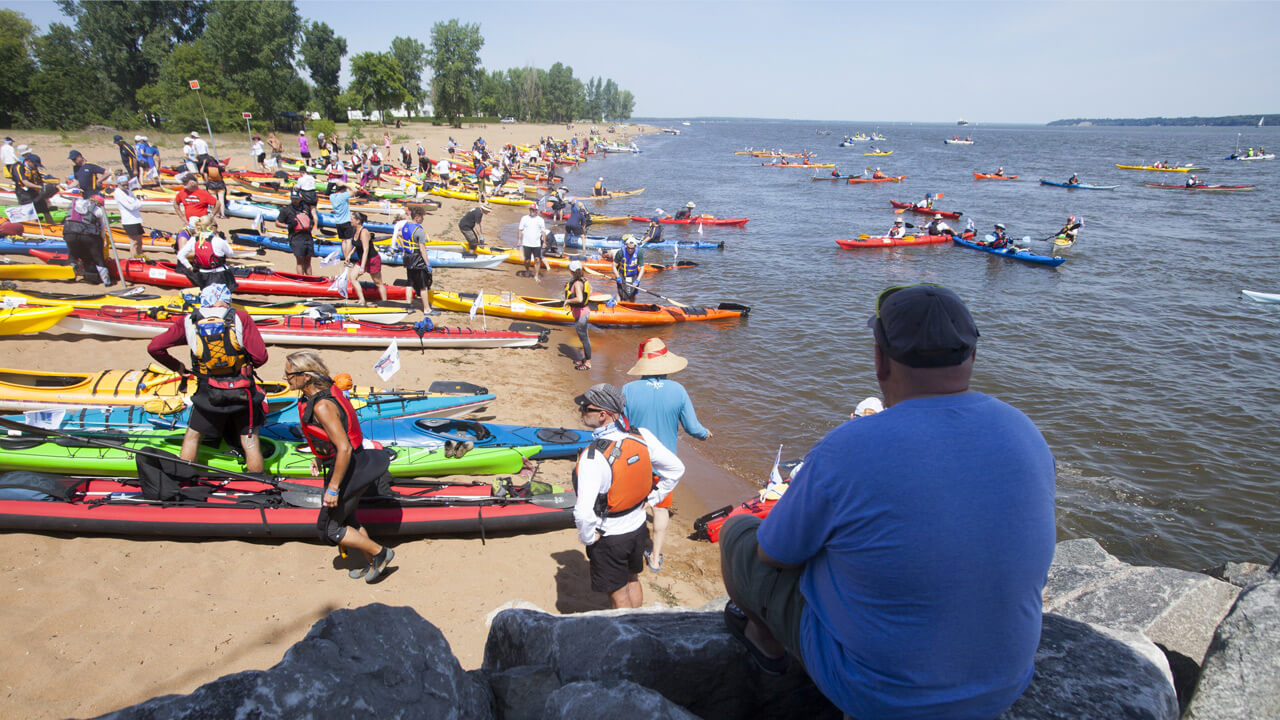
(1153, 381)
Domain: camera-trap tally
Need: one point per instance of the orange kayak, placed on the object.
(516, 257)
(549, 310)
(859, 181)
(866, 241)
(988, 176)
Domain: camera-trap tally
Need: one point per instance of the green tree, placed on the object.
(322, 52)
(129, 41)
(65, 91)
(454, 57)
(411, 56)
(180, 107)
(254, 43)
(17, 36)
(563, 93)
(625, 105)
(529, 83)
(376, 78)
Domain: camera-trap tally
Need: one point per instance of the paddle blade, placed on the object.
(558, 501)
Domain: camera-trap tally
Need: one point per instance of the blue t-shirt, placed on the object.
(926, 533)
(340, 201)
(660, 406)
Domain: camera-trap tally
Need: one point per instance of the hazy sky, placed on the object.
(1019, 62)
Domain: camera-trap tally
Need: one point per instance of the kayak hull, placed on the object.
(434, 432)
(1201, 188)
(992, 176)
(1261, 296)
(910, 207)
(25, 320)
(884, 242)
(1026, 257)
(1077, 186)
(867, 181)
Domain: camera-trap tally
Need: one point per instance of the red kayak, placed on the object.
(990, 176)
(708, 526)
(866, 241)
(925, 211)
(1207, 188)
(860, 181)
(698, 220)
(256, 281)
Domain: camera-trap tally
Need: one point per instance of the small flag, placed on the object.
(46, 419)
(332, 258)
(340, 283)
(775, 477)
(257, 223)
(475, 304)
(389, 363)
(22, 213)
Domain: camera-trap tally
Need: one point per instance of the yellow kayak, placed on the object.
(495, 200)
(879, 154)
(24, 320)
(610, 196)
(176, 303)
(10, 270)
(1157, 169)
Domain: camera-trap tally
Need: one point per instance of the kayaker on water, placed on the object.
(999, 171)
(653, 234)
(576, 294)
(628, 268)
(1071, 228)
(1193, 181)
(898, 230)
(614, 479)
(938, 227)
(1074, 180)
(599, 190)
(927, 202)
(685, 212)
(332, 429)
(998, 238)
(877, 175)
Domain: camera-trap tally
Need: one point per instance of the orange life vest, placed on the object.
(631, 471)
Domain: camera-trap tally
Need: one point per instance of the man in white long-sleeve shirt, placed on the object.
(614, 480)
(130, 207)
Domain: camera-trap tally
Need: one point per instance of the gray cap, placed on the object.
(924, 326)
(603, 396)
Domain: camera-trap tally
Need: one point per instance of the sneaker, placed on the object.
(450, 446)
(357, 573)
(463, 448)
(380, 563)
(648, 561)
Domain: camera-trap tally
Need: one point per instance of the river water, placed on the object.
(1153, 380)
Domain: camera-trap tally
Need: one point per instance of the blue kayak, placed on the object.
(615, 241)
(1009, 252)
(269, 213)
(438, 258)
(434, 432)
(1078, 186)
(21, 246)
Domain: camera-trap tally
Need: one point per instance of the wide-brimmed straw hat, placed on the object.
(656, 359)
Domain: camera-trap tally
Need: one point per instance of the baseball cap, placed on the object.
(923, 326)
(138, 138)
(117, 138)
(575, 265)
(73, 155)
(603, 396)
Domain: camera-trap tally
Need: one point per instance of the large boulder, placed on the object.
(373, 661)
(623, 699)
(1240, 679)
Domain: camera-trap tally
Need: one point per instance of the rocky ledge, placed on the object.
(1118, 641)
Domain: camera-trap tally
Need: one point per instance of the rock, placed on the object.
(1086, 672)
(1240, 678)
(519, 693)
(686, 656)
(592, 701)
(374, 661)
(510, 605)
(1240, 574)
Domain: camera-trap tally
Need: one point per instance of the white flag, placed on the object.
(475, 304)
(340, 283)
(47, 419)
(675, 252)
(332, 258)
(22, 213)
(257, 223)
(775, 478)
(389, 363)
(699, 228)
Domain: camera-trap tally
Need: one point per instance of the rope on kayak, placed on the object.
(480, 522)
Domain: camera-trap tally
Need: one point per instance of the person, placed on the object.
(998, 238)
(192, 202)
(600, 190)
(201, 148)
(128, 157)
(628, 268)
(411, 243)
(1074, 180)
(304, 147)
(575, 225)
(653, 234)
(1070, 230)
(340, 208)
(9, 158)
(209, 251)
(999, 171)
(332, 430)
(259, 152)
(470, 226)
(216, 184)
(277, 148)
(29, 185)
(189, 156)
(150, 158)
(306, 189)
(577, 293)
(661, 406)
(905, 563)
(299, 219)
(898, 230)
(87, 231)
(323, 146)
(877, 175)
(533, 232)
(130, 211)
(87, 175)
(686, 212)
(424, 162)
(1193, 181)
(938, 227)
(614, 480)
(443, 170)
(362, 257)
(225, 348)
(386, 142)
(405, 158)
(927, 202)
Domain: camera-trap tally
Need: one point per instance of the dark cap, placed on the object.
(116, 139)
(924, 326)
(603, 396)
(73, 155)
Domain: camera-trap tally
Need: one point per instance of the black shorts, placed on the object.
(531, 253)
(213, 422)
(133, 230)
(306, 155)
(301, 246)
(214, 185)
(419, 278)
(262, 158)
(362, 474)
(345, 232)
(616, 558)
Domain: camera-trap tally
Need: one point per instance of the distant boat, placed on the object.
(1260, 120)
(962, 122)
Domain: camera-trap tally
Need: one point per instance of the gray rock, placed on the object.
(1084, 672)
(688, 657)
(374, 661)
(1240, 678)
(1240, 574)
(623, 699)
(519, 693)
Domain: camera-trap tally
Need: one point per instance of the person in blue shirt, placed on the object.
(575, 225)
(661, 406)
(903, 568)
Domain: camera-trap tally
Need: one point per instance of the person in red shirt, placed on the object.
(192, 202)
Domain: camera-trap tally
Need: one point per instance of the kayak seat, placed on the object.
(20, 443)
(455, 428)
(26, 485)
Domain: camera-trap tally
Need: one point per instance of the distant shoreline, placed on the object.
(1221, 121)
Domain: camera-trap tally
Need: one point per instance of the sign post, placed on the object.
(195, 85)
(247, 117)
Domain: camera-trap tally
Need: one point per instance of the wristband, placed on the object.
(331, 492)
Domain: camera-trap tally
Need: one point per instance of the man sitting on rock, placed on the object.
(903, 568)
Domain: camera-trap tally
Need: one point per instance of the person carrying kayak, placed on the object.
(209, 251)
(600, 190)
(576, 294)
(225, 348)
(686, 212)
(898, 230)
(938, 227)
(628, 268)
(332, 429)
(363, 258)
(1074, 180)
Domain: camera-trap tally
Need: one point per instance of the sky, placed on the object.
(986, 62)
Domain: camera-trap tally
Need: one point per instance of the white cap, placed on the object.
(144, 138)
(897, 221)
(575, 265)
(302, 132)
(137, 138)
(690, 205)
(186, 141)
(869, 406)
(599, 179)
(321, 135)
(195, 134)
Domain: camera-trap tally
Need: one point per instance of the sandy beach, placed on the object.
(95, 623)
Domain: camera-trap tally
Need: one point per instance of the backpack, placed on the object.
(82, 219)
(217, 351)
(301, 221)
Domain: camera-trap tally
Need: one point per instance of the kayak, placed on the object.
(1078, 186)
(437, 258)
(621, 314)
(434, 432)
(878, 154)
(911, 207)
(26, 320)
(799, 165)
(1161, 169)
(707, 220)
(860, 181)
(1261, 296)
(244, 509)
(957, 142)
(561, 262)
(68, 455)
(269, 213)
(22, 390)
(492, 200)
(1268, 156)
(992, 176)
(866, 241)
(182, 303)
(1026, 257)
(1206, 188)
(610, 196)
(122, 322)
(10, 270)
(613, 242)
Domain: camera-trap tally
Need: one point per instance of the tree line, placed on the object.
(129, 64)
(1219, 121)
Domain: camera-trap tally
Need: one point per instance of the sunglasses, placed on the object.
(589, 409)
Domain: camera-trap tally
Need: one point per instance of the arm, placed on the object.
(177, 208)
(327, 414)
(173, 336)
(584, 515)
(128, 202)
(689, 418)
(420, 239)
(666, 466)
(252, 339)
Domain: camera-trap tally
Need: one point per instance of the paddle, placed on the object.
(664, 297)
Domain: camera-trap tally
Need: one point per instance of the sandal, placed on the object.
(736, 622)
(581, 366)
(648, 560)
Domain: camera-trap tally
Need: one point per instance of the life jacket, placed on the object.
(568, 292)
(206, 258)
(631, 471)
(321, 444)
(218, 351)
(82, 219)
(404, 241)
(301, 220)
(629, 263)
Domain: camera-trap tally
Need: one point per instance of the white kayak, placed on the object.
(1261, 296)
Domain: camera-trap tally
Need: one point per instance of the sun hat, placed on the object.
(214, 294)
(486, 208)
(8, 139)
(144, 138)
(690, 205)
(600, 179)
(656, 359)
(869, 406)
(22, 149)
(302, 132)
(603, 396)
(575, 265)
(195, 134)
(923, 326)
(897, 221)
(186, 140)
(937, 216)
(1000, 225)
(320, 135)
(138, 138)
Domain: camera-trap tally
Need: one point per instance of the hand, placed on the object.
(330, 499)
(315, 469)
(709, 434)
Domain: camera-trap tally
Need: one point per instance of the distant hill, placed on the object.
(1226, 120)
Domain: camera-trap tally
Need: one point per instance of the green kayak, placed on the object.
(71, 457)
(60, 214)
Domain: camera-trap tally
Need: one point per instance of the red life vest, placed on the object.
(321, 444)
(205, 257)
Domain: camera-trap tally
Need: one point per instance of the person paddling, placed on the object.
(332, 429)
(999, 239)
(1075, 179)
(686, 212)
(938, 227)
(897, 231)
